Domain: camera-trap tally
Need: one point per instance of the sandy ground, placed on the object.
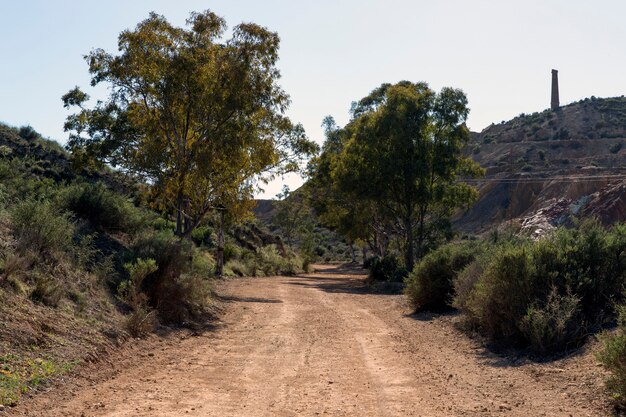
(322, 345)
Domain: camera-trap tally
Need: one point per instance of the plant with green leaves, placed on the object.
(404, 155)
(201, 118)
(613, 357)
(356, 219)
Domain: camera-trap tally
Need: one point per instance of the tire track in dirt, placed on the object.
(321, 345)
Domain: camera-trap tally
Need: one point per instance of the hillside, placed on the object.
(535, 160)
(86, 263)
(294, 220)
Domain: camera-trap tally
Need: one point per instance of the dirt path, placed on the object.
(320, 345)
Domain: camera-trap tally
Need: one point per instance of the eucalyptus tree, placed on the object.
(200, 117)
(403, 154)
(338, 208)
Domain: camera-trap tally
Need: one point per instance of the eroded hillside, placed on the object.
(534, 160)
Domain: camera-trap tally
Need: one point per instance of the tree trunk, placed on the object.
(352, 253)
(219, 264)
(420, 234)
(409, 246)
(364, 250)
(179, 214)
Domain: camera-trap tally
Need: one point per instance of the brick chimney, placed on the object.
(554, 103)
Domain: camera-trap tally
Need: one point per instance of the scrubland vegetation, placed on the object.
(548, 295)
(122, 232)
(85, 246)
(118, 252)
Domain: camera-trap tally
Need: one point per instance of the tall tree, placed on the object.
(201, 118)
(404, 155)
(339, 209)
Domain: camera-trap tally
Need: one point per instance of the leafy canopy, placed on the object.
(200, 117)
(400, 158)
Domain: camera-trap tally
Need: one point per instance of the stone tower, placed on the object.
(554, 103)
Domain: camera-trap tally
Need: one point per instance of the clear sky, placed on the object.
(335, 51)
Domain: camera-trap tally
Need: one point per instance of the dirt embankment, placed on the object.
(320, 344)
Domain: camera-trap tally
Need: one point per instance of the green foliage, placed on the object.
(613, 357)
(28, 133)
(48, 290)
(503, 293)
(265, 261)
(555, 325)
(202, 263)
(204, 236)
(397, 162)
(18, 375)
(269, 261)
(386, 269)
(198, 150)
(41, 227)
(232, 251)
(141, 320)
(179, 289)
(129, 290)
(159, 223)
(548, 293)
(238, 267)
(466, 281)
(431, 283)
(105, 209)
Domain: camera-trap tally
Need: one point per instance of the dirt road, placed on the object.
(321, 345)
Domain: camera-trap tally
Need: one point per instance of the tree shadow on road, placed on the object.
(348, 284)
(432, 315)
(233, 299)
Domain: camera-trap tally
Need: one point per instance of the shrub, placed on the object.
(159, 223)
(175, 289)
(47, 290)
(202, 263)
(239, 268)
(503, 292)
(367, 262)
(103, 208)
(231, 252)
(555, 325)
(616, 147)
(613, 357)
(269, 261)
(430, 285)
(42, 228)
(141, 320)
(466, 280)
(28, 133)
(203, 235)
(129, 290)
(546, 293)
(591, 264)
(387, 268)
(293, 264)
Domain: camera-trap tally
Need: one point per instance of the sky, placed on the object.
(334, 52)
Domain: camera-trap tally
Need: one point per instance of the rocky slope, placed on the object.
(574, 155)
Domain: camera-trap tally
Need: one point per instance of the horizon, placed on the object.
(482, 48)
